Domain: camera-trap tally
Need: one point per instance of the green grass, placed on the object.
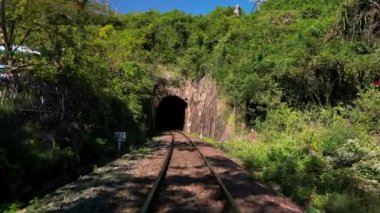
(319, 158)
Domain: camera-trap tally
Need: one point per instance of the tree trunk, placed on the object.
(5, 38)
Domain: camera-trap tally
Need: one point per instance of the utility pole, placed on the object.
(256, 4)
(107, 3)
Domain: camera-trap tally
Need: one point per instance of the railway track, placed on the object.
(195, 186)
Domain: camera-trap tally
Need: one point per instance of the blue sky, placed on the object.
(188, 6)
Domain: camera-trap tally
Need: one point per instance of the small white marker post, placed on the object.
(120, 139)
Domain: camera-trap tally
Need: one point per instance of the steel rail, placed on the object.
(234, 207)
(147, 204)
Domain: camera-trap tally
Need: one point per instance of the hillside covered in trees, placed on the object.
(301, 73)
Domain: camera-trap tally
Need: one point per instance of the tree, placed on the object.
(18, 20)
(22, 20)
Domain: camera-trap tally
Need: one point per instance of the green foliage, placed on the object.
(95, 96)
(297, 71)
(342, 203)
(311, 56)
(315, 156)
(288, 50)
(11, 208)
(358, 20)
(35, 203)
(368, 110)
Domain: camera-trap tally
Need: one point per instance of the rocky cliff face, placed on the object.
(204, 111)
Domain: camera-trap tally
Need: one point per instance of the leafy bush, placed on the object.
(318, 157)
(367, 111)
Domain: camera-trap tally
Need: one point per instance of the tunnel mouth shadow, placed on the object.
(170, 114)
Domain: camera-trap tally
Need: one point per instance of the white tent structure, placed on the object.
(21, 49)
(17, 50)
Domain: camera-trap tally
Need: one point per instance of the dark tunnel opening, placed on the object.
(170, 114)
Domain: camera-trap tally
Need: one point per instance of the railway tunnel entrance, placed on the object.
(170, 114)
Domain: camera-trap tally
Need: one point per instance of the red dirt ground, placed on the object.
(123, 185)
(250, 195)
(189, 185)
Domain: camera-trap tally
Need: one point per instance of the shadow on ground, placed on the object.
(123, 185)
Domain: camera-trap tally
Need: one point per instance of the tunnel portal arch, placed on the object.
(171, 114)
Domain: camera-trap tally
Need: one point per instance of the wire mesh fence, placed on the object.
(32, 98)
